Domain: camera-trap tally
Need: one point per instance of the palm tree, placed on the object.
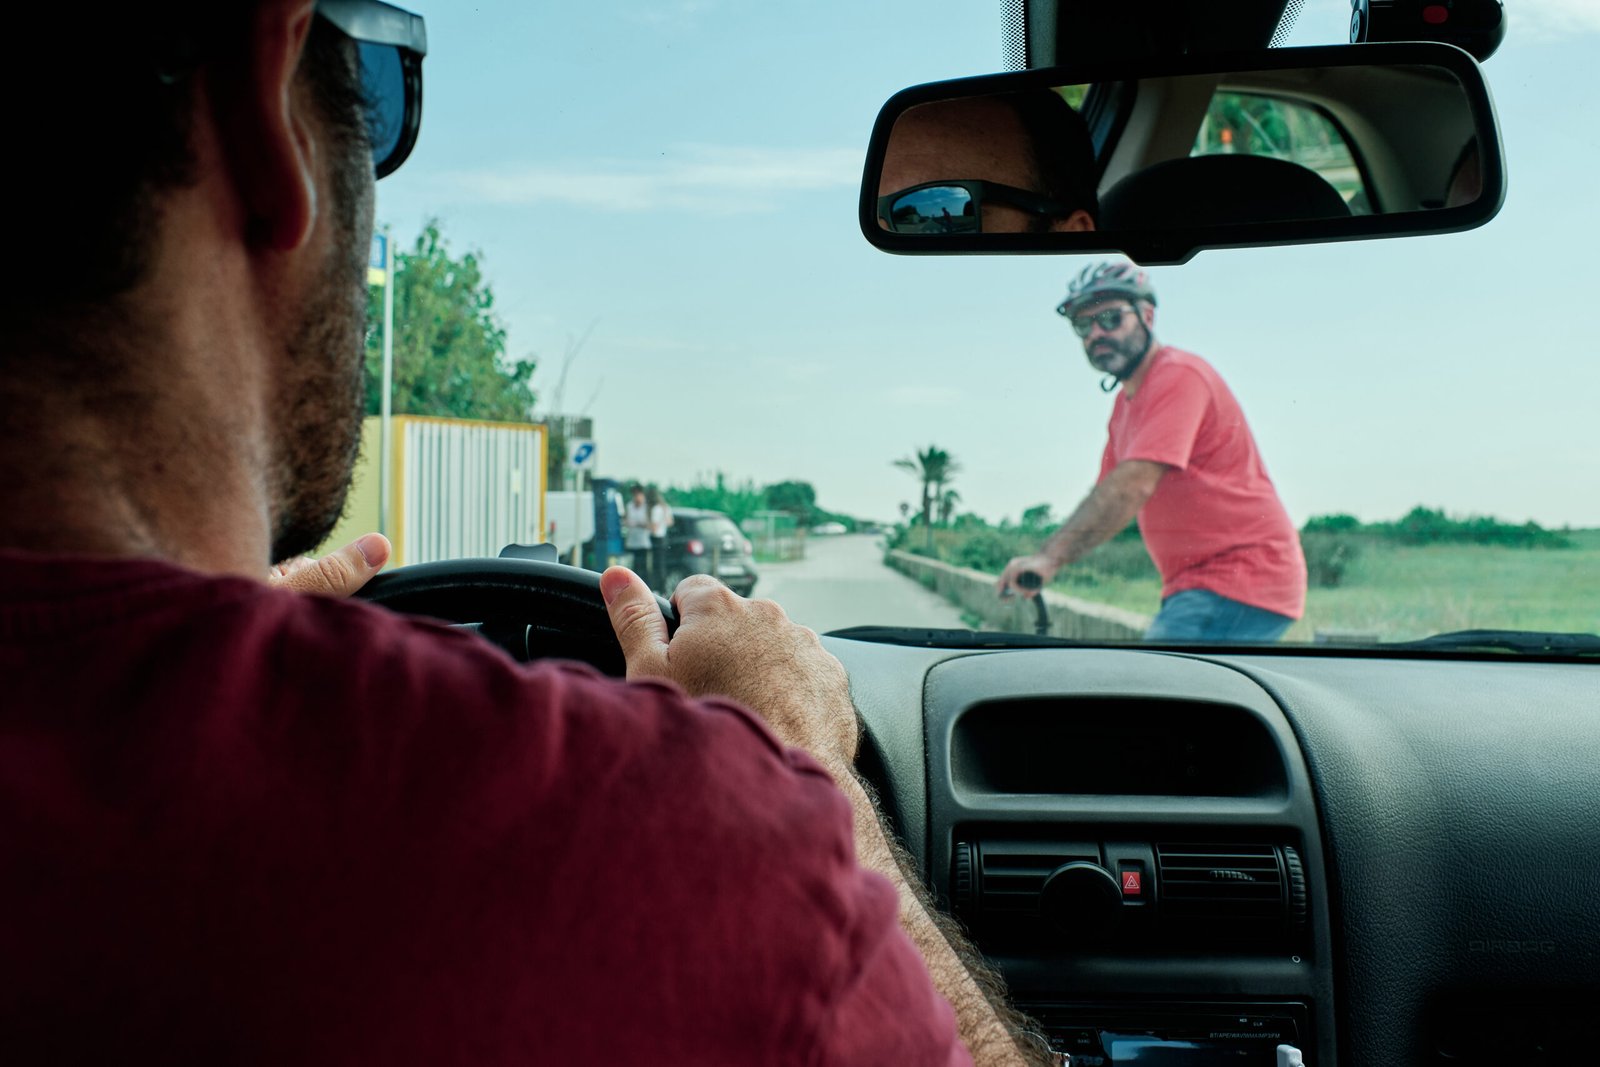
(934, 467)
(947, 505)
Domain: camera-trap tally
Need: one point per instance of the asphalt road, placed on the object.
(843, 582)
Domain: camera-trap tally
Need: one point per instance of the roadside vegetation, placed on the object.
(743, 500)
(1426, 572)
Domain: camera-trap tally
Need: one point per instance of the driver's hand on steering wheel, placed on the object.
(747, 650)
(338, 573)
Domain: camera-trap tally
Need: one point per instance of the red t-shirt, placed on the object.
(243, 826)
(1215, 521)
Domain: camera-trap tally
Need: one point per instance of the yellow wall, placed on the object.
(361, 506)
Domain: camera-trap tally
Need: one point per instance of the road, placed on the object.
(843, 582)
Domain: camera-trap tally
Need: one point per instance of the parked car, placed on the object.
(708, 542)
(829, 529)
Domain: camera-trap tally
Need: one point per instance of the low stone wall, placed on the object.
(973, 591)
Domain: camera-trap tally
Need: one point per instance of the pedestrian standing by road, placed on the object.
(1181, 458)
(660, 523)
(636, 532)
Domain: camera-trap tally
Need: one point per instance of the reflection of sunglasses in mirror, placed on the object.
(956, 206)
(1107, 320)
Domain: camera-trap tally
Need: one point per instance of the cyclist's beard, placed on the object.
(320, 404)
(1120, 358)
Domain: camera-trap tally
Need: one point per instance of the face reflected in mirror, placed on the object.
(1188, 156)
(1018, 162)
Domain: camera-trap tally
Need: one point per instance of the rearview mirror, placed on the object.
(1160, 158)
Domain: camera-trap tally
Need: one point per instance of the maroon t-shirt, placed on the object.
(243, 826)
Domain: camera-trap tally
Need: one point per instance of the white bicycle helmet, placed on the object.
(1107, 279)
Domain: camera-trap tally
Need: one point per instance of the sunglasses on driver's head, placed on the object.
(957, 206)
(390, 44)
(1107, 320)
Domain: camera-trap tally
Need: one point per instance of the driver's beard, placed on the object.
(1125, 355)
(321, 402)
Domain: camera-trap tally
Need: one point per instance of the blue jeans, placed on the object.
(1201, 615)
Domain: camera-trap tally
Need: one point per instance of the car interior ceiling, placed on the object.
(1397, 149)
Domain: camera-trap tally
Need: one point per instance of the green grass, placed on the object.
(1397, 593)
(1400, 593)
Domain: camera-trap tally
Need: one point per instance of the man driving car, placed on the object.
(246, 825)
(1017, 162)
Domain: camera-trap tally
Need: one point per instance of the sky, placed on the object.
(673, 184)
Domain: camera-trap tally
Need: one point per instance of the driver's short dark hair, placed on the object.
(1063, 154)
(99, 111)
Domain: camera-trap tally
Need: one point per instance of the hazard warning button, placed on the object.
(1132, 879)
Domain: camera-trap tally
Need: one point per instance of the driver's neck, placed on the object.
(167, 460)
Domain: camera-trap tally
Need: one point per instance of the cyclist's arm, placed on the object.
(1106, 511)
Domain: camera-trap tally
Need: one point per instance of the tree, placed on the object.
(738, 502)
(797, 498)
(449, 347)
(934, 467)
(1038, 518)
(947, 505)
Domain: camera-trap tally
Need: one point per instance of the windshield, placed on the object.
(625, 252)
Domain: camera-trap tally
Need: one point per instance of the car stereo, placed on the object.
(1173, 1035)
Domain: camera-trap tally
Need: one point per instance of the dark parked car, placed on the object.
(708, 542)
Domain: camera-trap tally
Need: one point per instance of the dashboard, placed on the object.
(1180, 858)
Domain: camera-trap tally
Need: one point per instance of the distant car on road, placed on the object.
(708, 542)
(829, 529)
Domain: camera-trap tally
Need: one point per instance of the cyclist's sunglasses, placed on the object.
(957, 206)
(1107, 320)
(390, 44)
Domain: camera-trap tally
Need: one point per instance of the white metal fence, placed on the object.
(467, 488)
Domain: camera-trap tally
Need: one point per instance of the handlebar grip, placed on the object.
(1029, 580)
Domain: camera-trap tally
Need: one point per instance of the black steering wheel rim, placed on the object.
(532, 609)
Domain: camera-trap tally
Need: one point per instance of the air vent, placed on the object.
(1221, 882)
(1011, 874)
(1234, 897)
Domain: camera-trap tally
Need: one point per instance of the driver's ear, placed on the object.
(267, 137)
(1080, 221)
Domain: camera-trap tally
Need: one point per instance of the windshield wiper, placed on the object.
(929, 638)
(1530, 642)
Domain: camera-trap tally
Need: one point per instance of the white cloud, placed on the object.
(701, 178)
(924, 396)
(794, 371)
(660, 344)
(1545, 19)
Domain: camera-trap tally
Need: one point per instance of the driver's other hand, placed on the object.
(746, 650)
(1043, 566)
(338, 573)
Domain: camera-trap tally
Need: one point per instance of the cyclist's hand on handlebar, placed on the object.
(1011, 578)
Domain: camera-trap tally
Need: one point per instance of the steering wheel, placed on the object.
(532, 610)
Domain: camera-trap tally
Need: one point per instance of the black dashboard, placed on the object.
(1184, 858)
